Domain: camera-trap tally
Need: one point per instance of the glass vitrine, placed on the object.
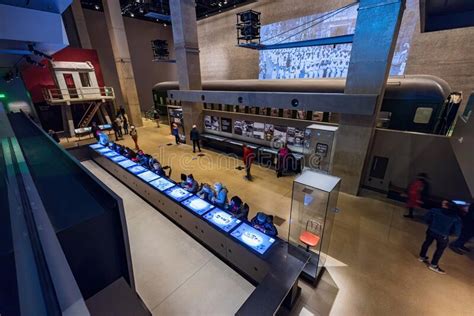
(313, 208)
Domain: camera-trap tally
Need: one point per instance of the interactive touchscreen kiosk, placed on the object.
(177, 193)
(136, 169)
(103, 150)
(162, 184)
(96, 146)
(221, 219)
(253, 238)
(110, 154)
(118, 158)
(197, 205)
(460, 203)
(127, 163)
(148, 176)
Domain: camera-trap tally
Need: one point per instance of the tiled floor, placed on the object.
(374, 270)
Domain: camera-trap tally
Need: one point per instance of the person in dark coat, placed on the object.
(53, 135)
(248, 157)
(264, 223)
(125, 125)
(94, 130)
(442, 222)
(175, 133)
(195, 138)
(467, 231)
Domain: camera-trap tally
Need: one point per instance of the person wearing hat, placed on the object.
(206, 192)
(190, 184)
(134, 135)
(195, 137)
(264, 223)
(220, 198)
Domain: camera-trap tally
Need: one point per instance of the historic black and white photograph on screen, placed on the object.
(279, 134)
(207, 122)
(238, 127)
(247, 128)
(215, 123)
(269, 132)
(226, 125)
(259, 130)
(330, 61)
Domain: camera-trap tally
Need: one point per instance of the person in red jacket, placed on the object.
(248, 158)
(414, 195)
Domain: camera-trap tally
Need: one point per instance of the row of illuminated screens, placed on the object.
(249, 236)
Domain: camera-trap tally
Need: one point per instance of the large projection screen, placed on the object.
(324, 61)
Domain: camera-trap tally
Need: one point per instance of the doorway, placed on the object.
(71, 86)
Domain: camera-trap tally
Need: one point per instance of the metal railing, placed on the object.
(56, 95)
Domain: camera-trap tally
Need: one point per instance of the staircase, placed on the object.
(89, 114)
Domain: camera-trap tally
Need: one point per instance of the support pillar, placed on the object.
(81, 25)
(376, 33)
(183, 17)
(68, 122)
(118, 37)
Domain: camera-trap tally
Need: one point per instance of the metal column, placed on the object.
(376, 33)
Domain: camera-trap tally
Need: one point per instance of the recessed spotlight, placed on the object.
(97, 7)
(132, 15)
(164, 24)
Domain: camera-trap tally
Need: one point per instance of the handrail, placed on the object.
(77, 94)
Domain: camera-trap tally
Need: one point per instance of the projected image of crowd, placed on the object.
(305, 62)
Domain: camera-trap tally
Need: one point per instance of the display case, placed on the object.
(313, 208)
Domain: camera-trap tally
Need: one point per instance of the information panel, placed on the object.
(177, 193)
(222, 219)
(253, 238)
(103, 150)
(118, 158)
(96, 146)
(148, 176)
(127, 163)
(136, 169)
(197, 205)
(110, 154)
(162, 184)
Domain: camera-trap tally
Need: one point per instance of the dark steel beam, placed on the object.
(359, 104)
(335, 40)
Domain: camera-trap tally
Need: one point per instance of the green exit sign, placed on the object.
(3, 95)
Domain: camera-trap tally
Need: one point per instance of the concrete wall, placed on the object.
(446, 54)
(139, 34)
(412, 153)
(463, 146)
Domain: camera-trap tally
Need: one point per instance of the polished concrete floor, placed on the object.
(373, 268)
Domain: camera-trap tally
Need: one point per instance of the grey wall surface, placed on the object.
(462, 142)
(139, 34)
(412, 153)
(446, 54)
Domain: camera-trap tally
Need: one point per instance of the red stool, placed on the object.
(309, 239)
